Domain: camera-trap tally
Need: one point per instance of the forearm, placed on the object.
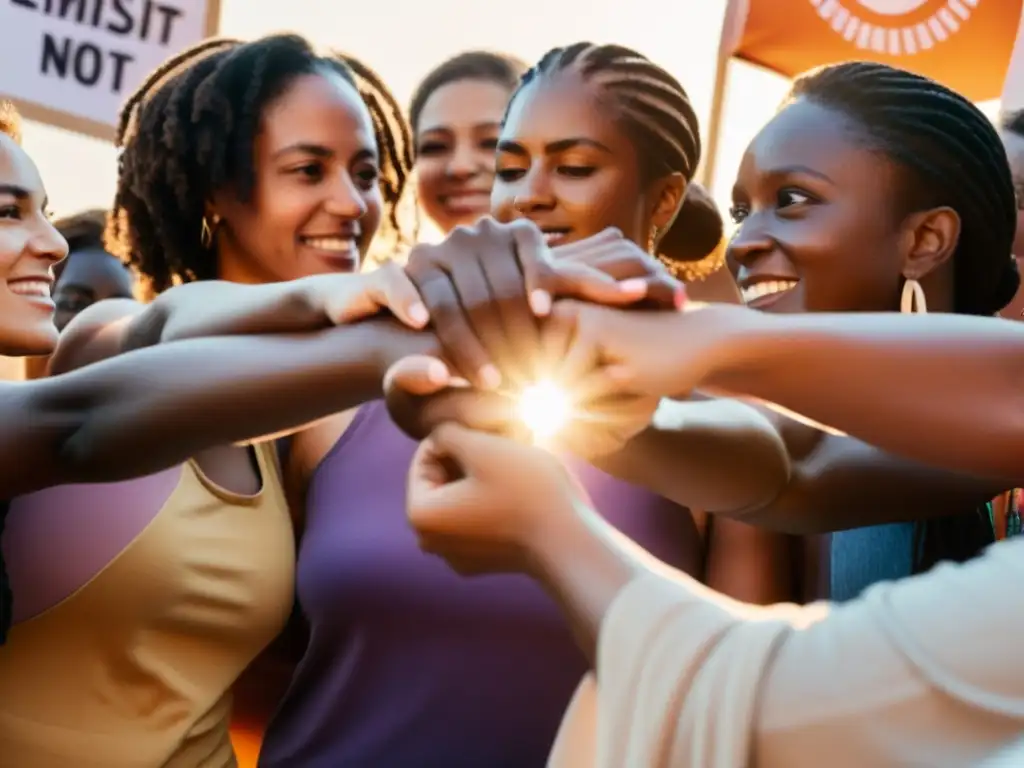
(717, 455)
(942, 389)
(149, 409)
(921, 679)
(583, 563)
(220, 308)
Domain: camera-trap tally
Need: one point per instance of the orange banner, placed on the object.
(965, 44)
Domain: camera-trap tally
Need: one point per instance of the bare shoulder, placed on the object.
(97, 333)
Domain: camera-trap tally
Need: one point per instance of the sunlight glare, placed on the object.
(545, 408)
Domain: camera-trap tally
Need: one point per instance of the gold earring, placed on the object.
(652, 240)
(206, 231)
(912, 301)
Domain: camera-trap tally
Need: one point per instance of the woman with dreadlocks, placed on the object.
(252, 163)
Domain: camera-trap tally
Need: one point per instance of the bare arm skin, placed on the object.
(153, 408)
(940, 389)
(835, 481)
(825, 483)
(195, 310)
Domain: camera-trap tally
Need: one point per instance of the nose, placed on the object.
(48, 244)
(463, 162)
(534, 193)
(347, 200)
(750, 242)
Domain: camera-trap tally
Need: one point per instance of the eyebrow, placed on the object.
(789, 170)
(322, 152)
(19, 193)
(552, 148)
(486, 125)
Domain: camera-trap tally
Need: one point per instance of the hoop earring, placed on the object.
(912, 301)
(206, 232)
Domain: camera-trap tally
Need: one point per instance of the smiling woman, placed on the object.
(455, 115)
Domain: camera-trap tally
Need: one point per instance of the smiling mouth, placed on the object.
(35, 290)
(766, 292)
(470, 201)
(339, 245)
(554, 236)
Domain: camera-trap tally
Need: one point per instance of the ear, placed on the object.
(666, 195)
(930, 240)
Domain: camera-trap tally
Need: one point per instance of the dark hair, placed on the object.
(190, 129)
(1012, 121)
(953, 157)
(10, 120)
(656, 113)
(486, 66)
(83, 230)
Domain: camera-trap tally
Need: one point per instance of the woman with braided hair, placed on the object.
(407, 664)
(872, 186)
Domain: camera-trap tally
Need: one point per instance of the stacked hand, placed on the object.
(468, 502)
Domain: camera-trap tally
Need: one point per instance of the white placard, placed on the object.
(72, 63)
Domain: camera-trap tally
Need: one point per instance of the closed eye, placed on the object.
(577, 171)
(510, 174)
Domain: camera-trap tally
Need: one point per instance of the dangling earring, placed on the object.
(912, 301)
(206, 231)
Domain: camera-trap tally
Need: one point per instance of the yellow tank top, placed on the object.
(134, 668)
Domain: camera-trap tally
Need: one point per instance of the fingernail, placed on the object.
(679, 298)
(490, 377)
(540, 302)
(418, 314)
(437, 372)
(459, 382)
(635, 285)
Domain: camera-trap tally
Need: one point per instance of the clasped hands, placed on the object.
(508, 312)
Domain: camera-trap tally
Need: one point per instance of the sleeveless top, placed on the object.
(410, 665)
(136, 606)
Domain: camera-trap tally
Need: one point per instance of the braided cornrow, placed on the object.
(395, 146)
(656, 113)
(189, 130)
(954, 158)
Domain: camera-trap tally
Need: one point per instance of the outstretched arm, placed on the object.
(219, 308)
(905, 384)
(751, 464)
(940, 389)
(150, 409)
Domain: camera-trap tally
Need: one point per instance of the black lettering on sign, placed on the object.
(85, 62)
(144, 20)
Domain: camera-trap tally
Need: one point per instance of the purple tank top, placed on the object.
(410, 665)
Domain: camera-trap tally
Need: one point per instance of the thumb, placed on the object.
(418, 375)
(470, 450)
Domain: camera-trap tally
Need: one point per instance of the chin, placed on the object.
(28, 341)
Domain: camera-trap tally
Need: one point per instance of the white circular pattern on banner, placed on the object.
(894, 37)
